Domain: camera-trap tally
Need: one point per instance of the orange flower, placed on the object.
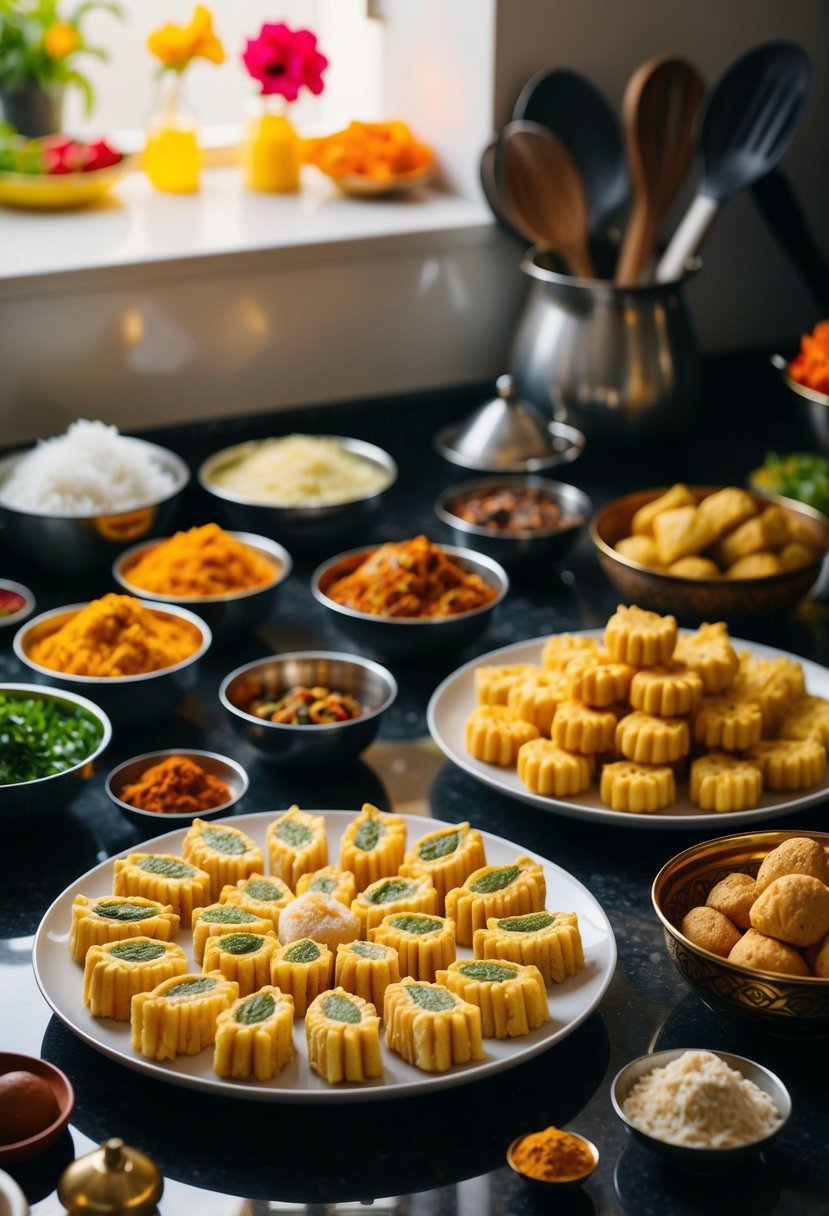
(177, 45)
(60, 39)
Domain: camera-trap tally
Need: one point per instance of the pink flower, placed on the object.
(284, 61)
(63, 155)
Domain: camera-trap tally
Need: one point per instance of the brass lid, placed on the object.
(111, 1180)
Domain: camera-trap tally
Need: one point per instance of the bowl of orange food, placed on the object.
(807, 379)
(412, 597)
(732, 921)
(134, 658)
(175, 786)
(710, 553)
(230, 579)
(373, 158)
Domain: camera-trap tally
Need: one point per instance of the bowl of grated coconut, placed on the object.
(74, 502)
(703, 1111)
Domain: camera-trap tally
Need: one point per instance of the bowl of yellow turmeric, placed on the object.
(230, 579)
(552, 1158)
(133, 658)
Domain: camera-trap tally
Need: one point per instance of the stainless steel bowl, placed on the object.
(406, 637)
(702, 1160)
(555, 1185)
(50, 793)
(231, 772)
(26, 608)
(317, 525)
(535, 548)
(127, 699)
(810, 406)
(87, 542)
(227, 615)
(373, 686)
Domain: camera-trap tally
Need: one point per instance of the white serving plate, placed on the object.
(60, 981)
(454, 699)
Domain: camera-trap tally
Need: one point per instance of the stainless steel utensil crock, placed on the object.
(616, 362)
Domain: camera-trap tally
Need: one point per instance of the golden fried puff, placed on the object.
(536, 698)
(768, 530)
(597, 682)
(493, 683)
(561, 648)
(333, 881)
(755, 565)
(511, 890)
(366, 969)
(549, 941)
(423, 943)
(179, 1016)
(710, 654)
(115, 971)
(762, 953)
(254, 1037)
(546, 768)
(218, 919)
(637, 788)
(797, 855)
(648, 740)
(578, 728)
(303, 968)
(392, 895)
(667, 691)
(681, 532)
(166, 878)
(789, 764)
(343, 1035)
(511, 997)
(640, 638)
(711, 930)
(373, 845)
(639, 549)
(675, 496)
(694, 566)
(733, 896)
(447, 857)
(431, 1027)
(726, 509)
(722, 783)
(793, 909)
(728, 723)
(114, 918)
(296, 843)
(773, 684)
(263, 896)
(243, 957)
(225, 853)
(494, 734)
(807, 717)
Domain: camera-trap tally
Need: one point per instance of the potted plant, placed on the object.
(40, 43)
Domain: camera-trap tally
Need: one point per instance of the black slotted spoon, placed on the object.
(752, 116)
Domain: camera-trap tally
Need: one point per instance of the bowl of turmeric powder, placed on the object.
(230, 579)
(553, 1158)
(133, 658)
(176, 785)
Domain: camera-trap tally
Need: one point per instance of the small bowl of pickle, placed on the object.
(308, 707)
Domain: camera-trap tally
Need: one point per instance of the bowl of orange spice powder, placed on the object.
(176, 786)
(553, 1157)
(133, 658)
(231, 579)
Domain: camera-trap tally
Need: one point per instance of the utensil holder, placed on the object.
(616, 362)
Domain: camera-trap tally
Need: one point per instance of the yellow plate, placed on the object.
(57, 191)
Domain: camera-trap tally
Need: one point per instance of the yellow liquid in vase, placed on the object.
(271, 155)
(172, 159)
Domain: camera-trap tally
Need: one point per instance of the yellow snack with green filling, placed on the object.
(511, 890)
(511, 997)
(343, 1035)
(222, 851)
(179, 1016)
(366, 969)
(166, 878)
(296, 843)
(431, 1027)
(303, 968)
(243, 957)
(447, 857)
(254, 1037)
(549, 941)
(115, 918)
(373, 845)
(423, 943)
(115, 971)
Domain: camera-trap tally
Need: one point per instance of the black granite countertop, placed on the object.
(440, 1153)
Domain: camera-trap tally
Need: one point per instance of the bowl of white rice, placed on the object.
(701, 1110)
(311, 488)
(75, 501)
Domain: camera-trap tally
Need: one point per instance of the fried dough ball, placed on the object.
(709, 929)
(763, 953)
(793, 909)
(733, 896)
(798, 855)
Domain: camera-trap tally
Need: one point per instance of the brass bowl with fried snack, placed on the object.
(693, 600)
(772, 1001)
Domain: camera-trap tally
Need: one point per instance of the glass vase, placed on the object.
(172, 158)
(271, 149)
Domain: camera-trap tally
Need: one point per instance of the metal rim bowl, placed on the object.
(75, 543)
(311, 524)
(517, 549)
(230, 771)
(568, 444)
(27, 608)
(281, 743)
(554, 1184)
(61, 1087)
(231, 613)
(811, 407)
(126, 699)
(404, 637)
(58, 790)
(784, 1004)
(686, 1157)
(696, 600)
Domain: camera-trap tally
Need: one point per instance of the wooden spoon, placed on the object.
(544, 192)
(659, 109)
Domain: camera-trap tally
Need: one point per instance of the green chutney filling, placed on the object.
(391, 890)
(142, 952)
(367, 835)
(339, 1009)
(437, 1000)
(527, 924)
(192, 987)
(224, 842)
(409, 922)
(495, 880)
(241, 943)
(227, 915)
(368, 950)
(257, 1008)
(304, 951)
(166, 867)
(260, 888)
(322, 883)
(126, 912)
(439, 846)
(292, 833)
(483, 972)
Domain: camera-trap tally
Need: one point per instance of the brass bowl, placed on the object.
(780, 1003)
(704, 599)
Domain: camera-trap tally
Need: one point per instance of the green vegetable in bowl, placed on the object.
(800, 475)
(41, 737)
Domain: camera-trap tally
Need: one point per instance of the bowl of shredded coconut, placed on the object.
(74, 501)
(701, 1110)
(298, 487)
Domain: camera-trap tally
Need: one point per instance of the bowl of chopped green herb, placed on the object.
(50, 742)
(799, 477)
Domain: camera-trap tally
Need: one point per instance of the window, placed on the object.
(125, 85)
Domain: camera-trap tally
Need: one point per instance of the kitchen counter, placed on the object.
(436, 1154)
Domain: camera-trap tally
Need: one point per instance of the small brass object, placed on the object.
(111, 1180)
